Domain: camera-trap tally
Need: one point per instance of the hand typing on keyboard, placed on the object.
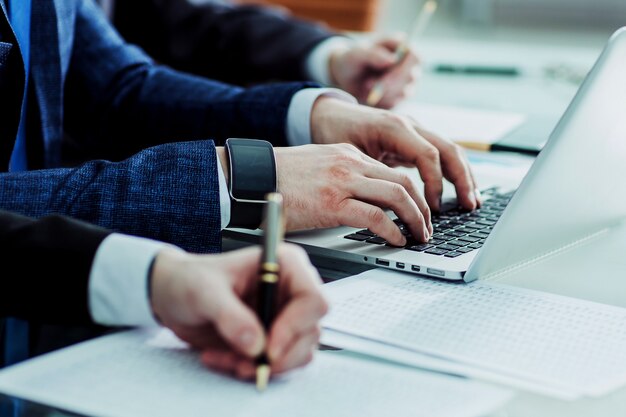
(455, 231)
(349, 181)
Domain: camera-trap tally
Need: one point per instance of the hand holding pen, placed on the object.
(377, 92)
(209, 301)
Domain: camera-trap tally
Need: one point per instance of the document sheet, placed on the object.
(463, 124)
(372, 348)
(142, 373)
(563, 342)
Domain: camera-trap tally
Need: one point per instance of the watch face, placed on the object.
(254, 173)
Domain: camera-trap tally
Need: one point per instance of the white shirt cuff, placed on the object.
(118, 282)
(318, 62)
(299, 113)
(224, 196)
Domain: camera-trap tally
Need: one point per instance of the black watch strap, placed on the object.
(246, 215)
(252, 175)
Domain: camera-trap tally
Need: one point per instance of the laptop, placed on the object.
(575, 187)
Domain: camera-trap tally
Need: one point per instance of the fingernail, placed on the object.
(472, 197)
(478, 195)
(250, 343)
(426, 235)
(275, 352)
(403, 241)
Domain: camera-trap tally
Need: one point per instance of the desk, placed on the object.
(532, 94)
(538, 96)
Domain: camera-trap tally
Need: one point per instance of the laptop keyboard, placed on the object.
(455, 231)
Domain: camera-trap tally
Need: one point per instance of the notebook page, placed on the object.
(139, 374)
(560, 341)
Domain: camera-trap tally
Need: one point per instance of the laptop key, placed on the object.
(475, 226)
(435, 241)
(475, 245)
(478, 235)
(469, 239)
(455, 233)
(420, 248)
(436, 251)
(357, 237)
(457, 243)
(465, 250)
(447, 247)
(376, 240)
(367, 232)
(452, 254)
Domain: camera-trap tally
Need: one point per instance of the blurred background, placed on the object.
(539, 50)
(386, 15)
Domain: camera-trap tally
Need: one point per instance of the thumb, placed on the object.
(238, 325)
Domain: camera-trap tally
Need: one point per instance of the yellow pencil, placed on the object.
(497, 147)
(377, 92)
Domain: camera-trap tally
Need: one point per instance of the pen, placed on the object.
(268, 278)
(494, 147)
(477, 70)
(377, 92)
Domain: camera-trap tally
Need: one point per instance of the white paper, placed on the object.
(140, 374)
(429, 362)
(462, 124)
(543, 338)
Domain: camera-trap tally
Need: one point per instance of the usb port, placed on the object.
(415, 268)
(437, 272)
(382, 262)
(400, 265)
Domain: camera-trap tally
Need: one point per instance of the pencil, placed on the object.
(496, 147)
(268, 278)
(421, 21)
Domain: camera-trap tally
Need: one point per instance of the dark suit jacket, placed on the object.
(238, 44)
(53, 257)
(113, 101)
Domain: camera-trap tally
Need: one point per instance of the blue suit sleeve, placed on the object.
(117, 101)
(169, 192)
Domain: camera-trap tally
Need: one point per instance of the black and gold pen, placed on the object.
(268, 278)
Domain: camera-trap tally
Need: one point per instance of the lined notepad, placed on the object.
(566, 343)
(137, 374)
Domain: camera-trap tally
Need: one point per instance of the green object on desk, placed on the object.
(477, 70)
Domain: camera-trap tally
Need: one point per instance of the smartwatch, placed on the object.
(252, 175)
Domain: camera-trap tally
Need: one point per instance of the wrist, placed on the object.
(322, 119)
(335, 63)
(224, 164)
(335, 120)
(162, 271)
